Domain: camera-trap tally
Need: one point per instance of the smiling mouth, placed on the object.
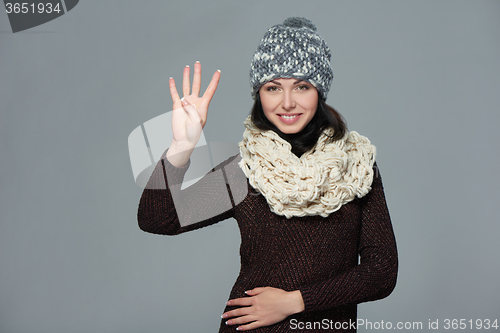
(289, 116)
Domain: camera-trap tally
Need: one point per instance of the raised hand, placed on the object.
(265, 306)
(189, 114)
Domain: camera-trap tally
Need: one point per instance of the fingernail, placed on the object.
(228, 322)
(237, 328)
(218, 70)
(246, 292)
(197, 62)
(187, 66)
(184, 102)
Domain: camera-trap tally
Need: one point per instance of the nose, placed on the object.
(288, 102)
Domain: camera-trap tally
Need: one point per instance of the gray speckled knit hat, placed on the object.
(292, 50)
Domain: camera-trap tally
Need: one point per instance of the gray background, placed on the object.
(419, 78)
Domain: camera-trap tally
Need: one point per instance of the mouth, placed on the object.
(289, 118)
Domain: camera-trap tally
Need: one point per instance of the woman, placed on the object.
(311, 203)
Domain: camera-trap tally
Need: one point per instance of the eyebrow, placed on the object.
(279, 84)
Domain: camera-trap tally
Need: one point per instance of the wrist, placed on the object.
(297, 303)
(178, 154)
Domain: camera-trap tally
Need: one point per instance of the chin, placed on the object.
(290, 130)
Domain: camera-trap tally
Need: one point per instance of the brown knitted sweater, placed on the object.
(316, 255)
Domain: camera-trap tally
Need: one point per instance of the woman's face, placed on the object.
(289, 104)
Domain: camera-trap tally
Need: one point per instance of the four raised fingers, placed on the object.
(186, 85)
(199, 104)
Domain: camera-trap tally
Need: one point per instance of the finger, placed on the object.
(241, 320)
(197, 79)
(251, 326)
(191, 111)
(255, 291)
(212, 87)
(240, 301)
(186, 86)
(237, 312)
(173, 91)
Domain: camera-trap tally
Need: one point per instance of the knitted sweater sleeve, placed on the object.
(166, 209)
(375, 276)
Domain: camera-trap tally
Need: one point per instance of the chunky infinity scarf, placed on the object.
(318, 183)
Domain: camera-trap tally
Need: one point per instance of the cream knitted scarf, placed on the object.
(318, 183)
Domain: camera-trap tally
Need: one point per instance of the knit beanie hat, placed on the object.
(292, 50)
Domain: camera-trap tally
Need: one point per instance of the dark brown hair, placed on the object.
(325, 117)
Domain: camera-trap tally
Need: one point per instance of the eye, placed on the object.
(272, 88)
(302, 87)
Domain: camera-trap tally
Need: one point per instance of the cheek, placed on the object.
(269, 104)
(268, 114)
(313, 102)
(310, 103)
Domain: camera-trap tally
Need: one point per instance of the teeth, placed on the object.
(289, 117)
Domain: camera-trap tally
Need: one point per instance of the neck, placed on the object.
(302, 141)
